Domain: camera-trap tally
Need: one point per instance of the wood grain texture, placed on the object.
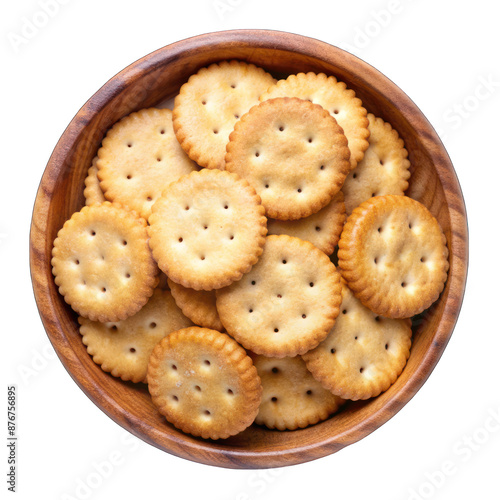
(158, 76)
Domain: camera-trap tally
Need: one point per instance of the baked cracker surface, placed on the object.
(363, 354)
(393, 256)
(291, 397)
(207, 229)
(211, 102)
(322, 229)
(204, 383)
(383, 170)
(123, 347)
(197, 305)
(335, 97)
(139, 157)
(102, 263)
(92, 191)
(293, 153)
(287, 303)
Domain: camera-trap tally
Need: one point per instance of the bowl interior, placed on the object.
(159, 76)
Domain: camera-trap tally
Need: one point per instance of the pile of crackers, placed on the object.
(251, 255)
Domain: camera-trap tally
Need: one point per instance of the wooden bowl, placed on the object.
(159, 76)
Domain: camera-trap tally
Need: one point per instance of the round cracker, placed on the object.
(293, 153)
(291, 397)
(322, 229)
(364, 353)
(336, 98)
(393, 255)
(287, 303)
(197, 305)
(210, 103)
(102, 262)
(92, 191)
(139, 157)
(204, 383)
(383, 170)
(207, 229)
(123, 348)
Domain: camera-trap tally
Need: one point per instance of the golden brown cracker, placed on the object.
(293, 153)
(92, 191)
(207, 229)
(363, 354)
(197, 305)
(287, 303)
(383, 170)
(211, 102)
(336, 98)
(123, 347)
(102, 263)
(139, 157)
(393, 255)
(291, 397)
(204, 383)
(322, 229)
(163, 281)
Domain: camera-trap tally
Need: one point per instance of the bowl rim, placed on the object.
(206, 452)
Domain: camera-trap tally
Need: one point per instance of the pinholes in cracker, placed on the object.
(140, 156)
(123, 348)
(363, 354)
(383, 170)
(335, 97)
(291, 397)
(204, 383)
(287, 303)
(207, 229)
(322, 229)
(211, 102)
(393, 255)
(102, 262)
(293, 153)
(197, 305)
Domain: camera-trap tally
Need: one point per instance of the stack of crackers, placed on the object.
(251, 255)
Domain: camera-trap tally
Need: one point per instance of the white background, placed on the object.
(441, 54)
